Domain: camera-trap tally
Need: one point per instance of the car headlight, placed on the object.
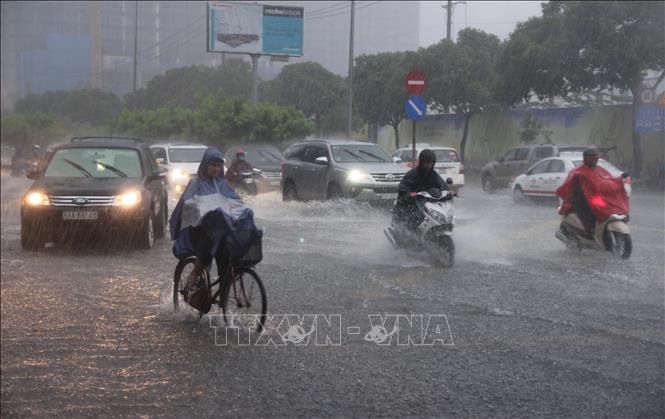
(128, 199)
(178, 174)
(36, 199)
(356, 176)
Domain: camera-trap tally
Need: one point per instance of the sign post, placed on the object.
(415, 108)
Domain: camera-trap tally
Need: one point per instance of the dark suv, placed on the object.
(96, 185)
(514, 162)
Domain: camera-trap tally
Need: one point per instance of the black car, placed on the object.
(263, 157)
(96, 186)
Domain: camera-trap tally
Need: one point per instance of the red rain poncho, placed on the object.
(605, 194)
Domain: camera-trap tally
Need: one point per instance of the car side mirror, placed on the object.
(499, 159)
(625, 175)
(33, 174)
(449, 181)
(321, 160)
(397, 160)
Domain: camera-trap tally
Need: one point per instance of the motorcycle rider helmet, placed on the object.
(590, 157)
(240, 154)
(427, 155)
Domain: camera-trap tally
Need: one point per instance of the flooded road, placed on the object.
(531, 329)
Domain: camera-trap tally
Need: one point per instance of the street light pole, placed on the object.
(449, 16)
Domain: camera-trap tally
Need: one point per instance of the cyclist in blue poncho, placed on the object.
(221, 226)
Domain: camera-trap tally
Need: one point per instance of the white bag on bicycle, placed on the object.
(196, 208)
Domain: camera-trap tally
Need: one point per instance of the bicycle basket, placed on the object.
(254, 254)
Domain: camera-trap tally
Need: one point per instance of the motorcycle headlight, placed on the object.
(36, 199)
(444, 218)
(128, 199)
(356, 176)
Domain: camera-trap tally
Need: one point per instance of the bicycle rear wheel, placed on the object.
(245, 303)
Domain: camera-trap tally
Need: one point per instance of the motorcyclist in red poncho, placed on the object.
(592, 193)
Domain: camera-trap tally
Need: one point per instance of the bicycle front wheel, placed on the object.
(245, 304)
(182, 270)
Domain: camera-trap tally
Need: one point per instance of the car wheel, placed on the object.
(290, 193)
(146, 237)
(31, 240)
(487, 184)
(518, 195)
(162, 222)
(334, 191)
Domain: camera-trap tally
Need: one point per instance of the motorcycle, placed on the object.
(434, 232)
(246, 181)
(612, 235)
(610, 205)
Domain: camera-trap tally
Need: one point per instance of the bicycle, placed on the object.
(239, 289)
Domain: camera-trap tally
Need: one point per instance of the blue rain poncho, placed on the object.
(214, 205)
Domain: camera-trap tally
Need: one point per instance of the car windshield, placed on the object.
(359, 153)
(94, 162)
(266, 156)
(186, 155)
(614, 171)
(446, 156)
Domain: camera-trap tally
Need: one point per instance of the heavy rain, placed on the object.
(355, 282)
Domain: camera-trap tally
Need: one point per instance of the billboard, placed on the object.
(246, 28)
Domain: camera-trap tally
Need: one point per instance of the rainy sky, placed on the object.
(497, 17)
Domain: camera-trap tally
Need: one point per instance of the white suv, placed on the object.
(448, 163)
(181, 160)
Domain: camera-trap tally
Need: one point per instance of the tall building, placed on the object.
(48, 45)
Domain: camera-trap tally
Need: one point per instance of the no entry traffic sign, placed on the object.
(416, 82)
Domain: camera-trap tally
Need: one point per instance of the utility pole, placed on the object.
(350, 78)
(136, 39)
(255, 78)
(449, 16)
(95, 45)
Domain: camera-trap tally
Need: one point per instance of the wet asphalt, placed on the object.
(518, 327)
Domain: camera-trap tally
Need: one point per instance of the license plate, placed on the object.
(274, 182)
(248, 180)
(79, 215)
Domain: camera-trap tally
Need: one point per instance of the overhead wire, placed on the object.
(334, 8)
(364, 6)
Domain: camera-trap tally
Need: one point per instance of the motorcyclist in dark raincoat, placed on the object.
(421, 178)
